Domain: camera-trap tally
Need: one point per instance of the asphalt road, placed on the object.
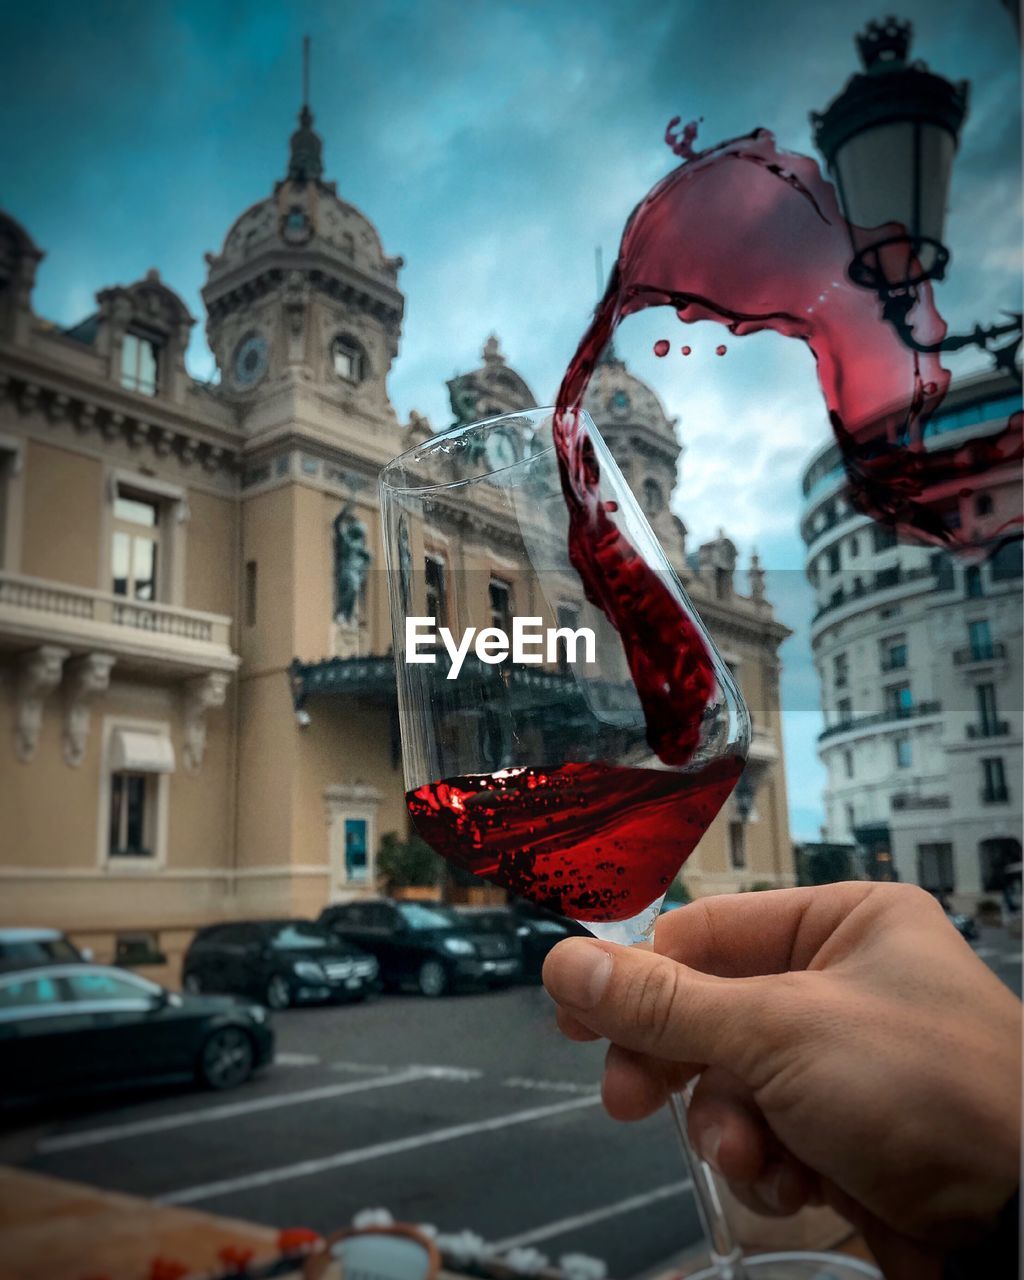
(468, 1112)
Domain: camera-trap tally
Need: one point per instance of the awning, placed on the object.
(141, 751)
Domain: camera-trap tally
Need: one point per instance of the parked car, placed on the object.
(279, 962)
(27, 948)
(425, 944)
(82, 1027)
(535, 934)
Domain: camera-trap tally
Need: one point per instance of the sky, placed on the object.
(495, 145)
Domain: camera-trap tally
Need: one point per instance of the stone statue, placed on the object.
(352, 561)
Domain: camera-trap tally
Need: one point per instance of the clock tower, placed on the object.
(304, 312)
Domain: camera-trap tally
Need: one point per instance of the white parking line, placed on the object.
(546, 1086)
(562, 1226)
(1011, 957)
(228, 1111)
(295, 1060)
(343, 1159)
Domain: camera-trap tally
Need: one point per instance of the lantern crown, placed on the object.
(882, 45)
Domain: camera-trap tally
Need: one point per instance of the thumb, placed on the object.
(654, 1005)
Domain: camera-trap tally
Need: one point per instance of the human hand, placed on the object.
(852, 1050)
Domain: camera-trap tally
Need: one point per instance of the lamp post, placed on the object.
(889, 140)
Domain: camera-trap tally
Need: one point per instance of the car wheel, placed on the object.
(432, 979)
(192, 984)
(227, 1058)
(278, 994)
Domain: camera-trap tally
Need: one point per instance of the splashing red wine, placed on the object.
(594, 842)
(752, 237)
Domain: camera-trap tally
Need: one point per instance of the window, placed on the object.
(136, 546)
(887, 577)
(850, 819)
(854, 546)
(139, 364)
(436, 588)
(833, 559)
(348, 359)
(298, 935)
(654, 499)
(841, 670)
(105, 987)
(882, 538)
(979, 634)
(935, 867)
(974, 588)
(899, 700)
(983, 504)
(499, 595)
(894, 653)
(904, 752)
(993, 775)
(30, 993)
(988, 712)
(131, 815)
(844, 711)
(737, 845)
(1008, 562)
(251, 582)
(568, 616)
(848, 763)
(356, 849)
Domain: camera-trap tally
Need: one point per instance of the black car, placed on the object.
(535, 934)
(279, 962)
(28, 948)
(83, 1027)
(426, 945)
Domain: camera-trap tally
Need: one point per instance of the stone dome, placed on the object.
(617, 397)
(305, 212)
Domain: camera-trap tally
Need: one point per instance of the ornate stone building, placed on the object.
(198, 698)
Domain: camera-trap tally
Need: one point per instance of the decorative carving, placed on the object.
(29, 397)
(163, 442)
(57, 408)
(418, 427)
(756, 575)
(87, 677)
(38, 675)
(201, 695)
(352, 561)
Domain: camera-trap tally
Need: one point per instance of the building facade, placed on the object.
(195, 648)
(919, 661)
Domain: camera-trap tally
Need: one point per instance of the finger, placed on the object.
(653, 1005)
(634, 1087)
(727, 1128)
(572, 1028)
(739, 935)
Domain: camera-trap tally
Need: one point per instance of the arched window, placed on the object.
(654, 499)
(348, 358)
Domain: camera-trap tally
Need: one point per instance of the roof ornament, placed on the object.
(305, 162)
(492, 352)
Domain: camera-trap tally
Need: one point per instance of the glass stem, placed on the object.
(726, 1255)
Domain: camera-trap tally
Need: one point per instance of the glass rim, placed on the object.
(451, 433)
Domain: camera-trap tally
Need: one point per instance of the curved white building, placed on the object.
(919, 661)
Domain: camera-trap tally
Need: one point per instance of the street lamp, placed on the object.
(743, 797)
(889, 140)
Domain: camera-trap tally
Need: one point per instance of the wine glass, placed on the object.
(534, 769)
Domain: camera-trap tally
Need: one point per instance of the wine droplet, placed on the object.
(721, 349)
(661, 347)
(686, 350)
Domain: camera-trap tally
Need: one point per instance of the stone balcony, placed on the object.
(139, 635)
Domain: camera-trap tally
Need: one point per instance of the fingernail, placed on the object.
(708, 1142)
(580, 975)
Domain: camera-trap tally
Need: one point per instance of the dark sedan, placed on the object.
(426, 945)
(83, 1027)
(535, 934)
(29, 948)
(279, 962)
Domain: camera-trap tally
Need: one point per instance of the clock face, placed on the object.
(296, 227)
(250, 363)
(619, 404)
